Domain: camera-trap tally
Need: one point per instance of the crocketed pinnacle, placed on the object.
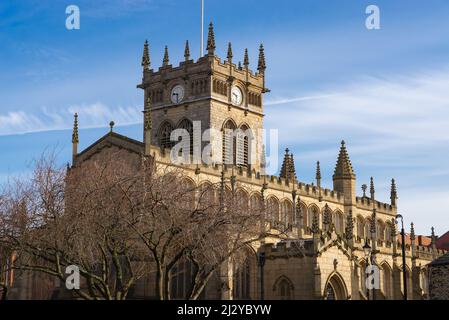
(349, 230)
(211, 40)
(75, 138)
(187, 51)
(393, 194)
(318, 171)
(246, 59)
(288, 171)
(343, 169)
(298, 209)
(327, 219)
(147, 115)
(166, 60)
(412, 231)
(315, 223)
(229, 55)
(261, 65)
(146, 56)
(433, 237)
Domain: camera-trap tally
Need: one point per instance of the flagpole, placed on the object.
(202, 28)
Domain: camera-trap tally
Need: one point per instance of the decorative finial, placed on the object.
(146, 57)
(229, 56)
(187, 51)
(240, 65)
(315, 223)
(393, 228)
(432, 236)
(364, 187)
(298, 208)
(75, 138)
(349, 230)
(318, 171)
(211, 40)
(373, 222)
(394, 194)
(246, 59)
(343, 169)
(292, 167)
(288, 171)
(371, 188)
(327, 216)
(412, 232)
(147, 115)
(261, 66)
(111, 125)
(166, 60)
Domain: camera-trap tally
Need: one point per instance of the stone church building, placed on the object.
(322, 255)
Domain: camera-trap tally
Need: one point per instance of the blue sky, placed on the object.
(384, 91)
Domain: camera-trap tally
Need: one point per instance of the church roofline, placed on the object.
(133, 145)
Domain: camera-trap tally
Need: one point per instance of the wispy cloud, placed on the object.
(395, 126)
(90, 116)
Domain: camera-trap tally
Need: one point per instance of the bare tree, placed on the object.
(118, 220)
(77, 218)
(207, 225)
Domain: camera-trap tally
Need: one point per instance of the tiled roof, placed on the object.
(443, 241)
(419, 240)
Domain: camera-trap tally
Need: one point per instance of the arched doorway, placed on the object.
(335, 288)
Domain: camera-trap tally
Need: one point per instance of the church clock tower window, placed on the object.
(188, 126)
(229, 142)
(164, 135)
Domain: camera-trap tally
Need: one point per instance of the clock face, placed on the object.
(177, 94)
(236, 96)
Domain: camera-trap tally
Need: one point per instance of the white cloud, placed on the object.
(395, 127)
(90, 116)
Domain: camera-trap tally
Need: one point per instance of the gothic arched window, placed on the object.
(284, 288)
(388, 232)
(187, 191)
(206, 196)
(368, 229)
(386, 276)
(311, 212)
(330, 293)
(236, 144)
(242, 146)
(181, 279)
(286, 212)
(242, 281)
(255, 203)
(380, 230)
(164, 135)
(242, 201)
(273, 210)
(339, 222)
(188, 126)
(360, 227)
(229, 142)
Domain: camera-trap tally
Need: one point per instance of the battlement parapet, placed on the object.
(366, 203)
(271, 181)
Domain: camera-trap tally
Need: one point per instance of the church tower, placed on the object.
(219, 94)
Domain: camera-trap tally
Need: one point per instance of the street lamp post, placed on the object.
(261, 256)
(404, 272)
(367, 251)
